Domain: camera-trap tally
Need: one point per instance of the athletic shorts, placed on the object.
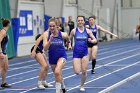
(37, 50)
(90, 45)
(80, 54)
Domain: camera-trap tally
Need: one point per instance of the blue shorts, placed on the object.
(53, 59)
(80, 54)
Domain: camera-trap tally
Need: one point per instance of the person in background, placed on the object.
(138, 29)
(93, 47)
(42, 60)
(3, 55)
(60, 25)
(67, 30)
(71, 26)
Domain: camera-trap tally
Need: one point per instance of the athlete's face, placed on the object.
(52, 26)
(91, 21)
(80, 21)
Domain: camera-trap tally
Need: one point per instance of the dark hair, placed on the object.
(82, 16)
(5, 22)
(37, 36)
(94, 17)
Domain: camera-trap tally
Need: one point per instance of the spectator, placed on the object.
(138, 30)
(59, 24)
(71, 26)
(67, 30)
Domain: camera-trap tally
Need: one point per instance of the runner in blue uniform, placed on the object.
(42, 60)
(80, 51)
(3, 56)
(53, 41)
(92, 47)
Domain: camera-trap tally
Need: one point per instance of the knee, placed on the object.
(45, 67)
(84, 72)
(57, 73)
(5, 69)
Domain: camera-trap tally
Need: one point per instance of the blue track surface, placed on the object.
(116, 61)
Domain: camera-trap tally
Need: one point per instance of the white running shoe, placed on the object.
(46, 84)
(82, 89)
(41, 86)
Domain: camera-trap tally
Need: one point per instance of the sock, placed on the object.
(63, 84)
(93, 63)
(44, 81)
(39, 82)
(58, 87)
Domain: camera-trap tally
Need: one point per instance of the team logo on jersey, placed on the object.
(57, 42)
(93, 30)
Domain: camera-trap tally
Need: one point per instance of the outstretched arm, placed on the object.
(106, 31)
(70, 38)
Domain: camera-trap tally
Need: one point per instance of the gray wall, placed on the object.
(131, 3)
(13, 8)
(54, 7)
(85, 7)
(130, 18)
(136, 3)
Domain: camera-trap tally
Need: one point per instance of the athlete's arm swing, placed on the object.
(36, 45)
(92, 39)
(106, 31)
(46, 42)
(70, 38)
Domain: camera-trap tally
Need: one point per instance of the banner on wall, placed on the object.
(26, 23)
(63, 20)
(46, 17)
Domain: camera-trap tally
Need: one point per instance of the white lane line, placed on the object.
(29, 61)
(27, 71)
(106, 75)
(88, 70)
(108, 89)
(119, 65)
(63, 69)
(118, 54)
(114, 50)
(97, 59)
(12, 69)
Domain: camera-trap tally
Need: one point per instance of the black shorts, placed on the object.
(37, 50)
(4, 53)
(90, 45)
